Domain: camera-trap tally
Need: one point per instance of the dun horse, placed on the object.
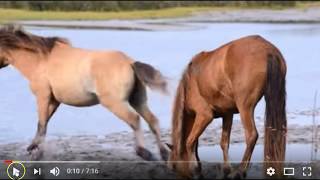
(220, 83)
(59, 73)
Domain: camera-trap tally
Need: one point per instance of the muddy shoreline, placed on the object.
(117, 158)
(119, 146)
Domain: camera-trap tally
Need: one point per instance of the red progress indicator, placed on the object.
(8, 161)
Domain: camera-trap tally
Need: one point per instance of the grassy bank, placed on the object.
(7, 14)
(18, 14)
(306, 5)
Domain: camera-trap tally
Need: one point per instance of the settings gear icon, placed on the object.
(271, 171)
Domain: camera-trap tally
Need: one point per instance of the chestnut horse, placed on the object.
(59, 73)
(220, 83)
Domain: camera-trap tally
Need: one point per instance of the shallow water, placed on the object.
(169, 51)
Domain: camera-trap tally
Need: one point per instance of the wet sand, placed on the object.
(118, 158)
(119, 146)
(308, 15)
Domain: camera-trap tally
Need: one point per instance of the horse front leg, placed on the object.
(47, 105)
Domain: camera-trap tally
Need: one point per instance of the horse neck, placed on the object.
(26, 62)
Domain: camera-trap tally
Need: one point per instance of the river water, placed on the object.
(169, 51)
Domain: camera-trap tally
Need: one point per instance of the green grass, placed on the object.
(18, 14)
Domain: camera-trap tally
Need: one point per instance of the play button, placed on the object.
(37, 171)
(16, 170)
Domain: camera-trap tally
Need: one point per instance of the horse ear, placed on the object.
(170, 146)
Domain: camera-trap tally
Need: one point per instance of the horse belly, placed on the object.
(75, 97)
(72, 84)
(221, 100)
(224, 105)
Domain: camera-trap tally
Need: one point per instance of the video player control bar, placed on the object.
(139, 169)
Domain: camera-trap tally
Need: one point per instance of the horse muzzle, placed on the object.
(3, 65)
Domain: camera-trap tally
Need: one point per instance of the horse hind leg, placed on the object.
(202, 120)
(251, 137)
(225, 141)
(138, 100)
(122, 110)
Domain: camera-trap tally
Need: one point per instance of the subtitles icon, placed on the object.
(288, 171)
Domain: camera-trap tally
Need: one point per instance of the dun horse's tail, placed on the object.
(150, 76)
(276, 122)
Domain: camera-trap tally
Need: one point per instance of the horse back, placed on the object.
(230, 74)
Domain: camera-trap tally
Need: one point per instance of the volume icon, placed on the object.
(55, 171)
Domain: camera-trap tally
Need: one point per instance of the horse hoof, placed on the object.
(198, 176)
(32, 147)
(237, 175)
(145, 154)
(36, 154)
(164, 154)
(226, 171)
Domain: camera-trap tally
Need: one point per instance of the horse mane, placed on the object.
(13, 37)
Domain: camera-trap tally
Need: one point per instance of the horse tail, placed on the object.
(178, 118)
(275, 112)
(150, 76)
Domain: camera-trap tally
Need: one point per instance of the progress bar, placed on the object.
(60, 162)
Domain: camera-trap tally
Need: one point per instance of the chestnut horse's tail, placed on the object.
(150, 76)
(276, 121)
(178, 118)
